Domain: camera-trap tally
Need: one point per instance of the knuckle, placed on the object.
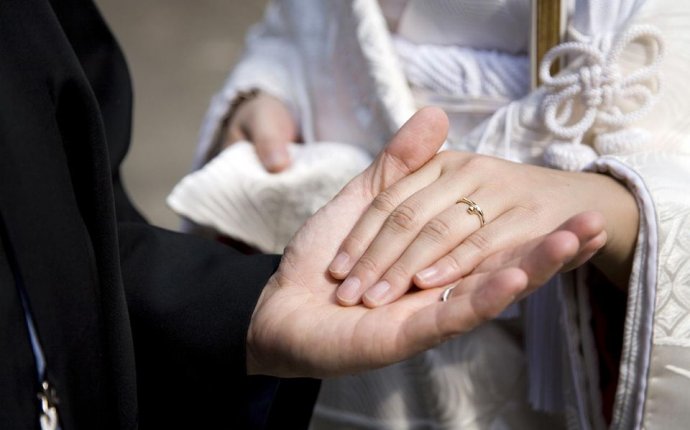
(367, 264)
(529, 211)
(452, 262)
(526, 207)
(399, 272)
(402, 219)
(450, 162)
(353, 245)
(436, 230)
(535, 211)
(479, 243)
(477, 163)
(444, 157)
(396, 163)
(385, 202)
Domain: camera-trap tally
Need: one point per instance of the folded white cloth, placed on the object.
(236, 196)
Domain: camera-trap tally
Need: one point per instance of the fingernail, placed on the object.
(276, 159)
(340, 263)
(349, 289)
(427, 276)
(378, 291)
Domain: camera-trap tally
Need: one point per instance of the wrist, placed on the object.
(621, 212)
(253, 361)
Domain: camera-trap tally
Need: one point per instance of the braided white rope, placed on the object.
(592, 93)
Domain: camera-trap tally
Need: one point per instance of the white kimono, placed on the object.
(333, 63)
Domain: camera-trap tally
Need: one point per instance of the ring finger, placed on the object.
(398, 230)
(437, 238)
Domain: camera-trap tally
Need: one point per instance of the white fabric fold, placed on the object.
(235, 195)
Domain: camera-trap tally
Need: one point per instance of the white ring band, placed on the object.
(446, 293)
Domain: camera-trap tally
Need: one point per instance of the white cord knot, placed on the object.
(598, 85)
(595, 92)
(590, 80)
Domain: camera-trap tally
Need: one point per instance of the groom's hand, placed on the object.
(299, 329)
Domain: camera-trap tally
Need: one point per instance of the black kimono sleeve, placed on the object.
(190, 303)
(190, 300)
(141, 327)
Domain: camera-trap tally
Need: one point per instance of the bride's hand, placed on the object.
(420, 228)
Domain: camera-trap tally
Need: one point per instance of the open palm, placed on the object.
(299, 329)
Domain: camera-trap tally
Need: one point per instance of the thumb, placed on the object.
(271, 130)
(417, 141)
(273, 151)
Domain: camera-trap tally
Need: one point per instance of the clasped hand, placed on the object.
(298, 327)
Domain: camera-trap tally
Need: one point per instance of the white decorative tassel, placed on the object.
(591, 94)
(568, 156)
(623, 141)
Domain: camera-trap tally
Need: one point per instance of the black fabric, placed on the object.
(189, 325)
(18, 382)
(134, 321)
(608, 305)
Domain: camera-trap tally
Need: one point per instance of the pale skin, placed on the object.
(268, 123)
(298, 327)
(417, 231)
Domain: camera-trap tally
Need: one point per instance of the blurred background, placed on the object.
(179, 52)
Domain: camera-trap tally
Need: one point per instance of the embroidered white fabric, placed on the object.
(364, 107)
(464, 72)
(236, 196)
(464, 23)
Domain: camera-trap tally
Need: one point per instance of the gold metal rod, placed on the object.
(547, 29)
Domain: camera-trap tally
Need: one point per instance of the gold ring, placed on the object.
(446, 293)
(473, 209)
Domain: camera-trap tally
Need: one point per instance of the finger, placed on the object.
(417, 141)
(398, 231)
(413, 146)
(473, 300)
(585, 228)
(539, 260)
(435, 239)
(548, 257)
(233, 134)
(588, 228)
(271, 138)
(507, 230)
(592, 246)
(482, 298)
(369, 224)
(273, 154)
(587, 251)
(394, 210)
